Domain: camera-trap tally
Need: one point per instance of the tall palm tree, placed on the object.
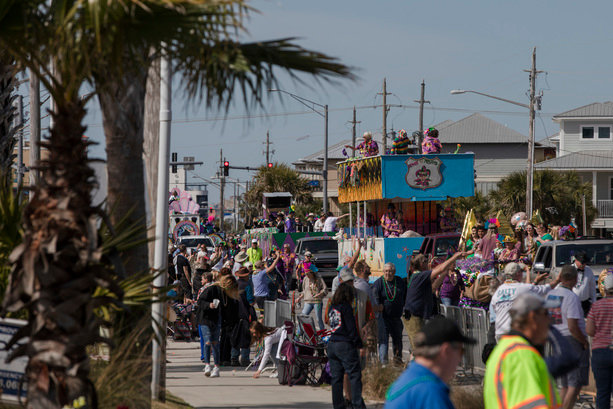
(8, 81)
(201, 39)
(58, 267)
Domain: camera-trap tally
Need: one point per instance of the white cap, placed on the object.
(254, 241)
(608, 282)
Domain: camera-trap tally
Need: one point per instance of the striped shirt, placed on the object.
(601, 314)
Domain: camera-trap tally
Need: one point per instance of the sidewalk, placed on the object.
(235, 388)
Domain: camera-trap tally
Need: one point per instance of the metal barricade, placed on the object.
(277, 312)
(283, 312)
(474, 323)
(270, 313)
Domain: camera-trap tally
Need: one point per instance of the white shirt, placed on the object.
(503, 299)
(586, 285)
(330, 223)
(570, 308)
(276, 337)
(318, 226)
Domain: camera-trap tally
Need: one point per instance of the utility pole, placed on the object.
(530, 174)
(353, 123)
(160, 263)
(34, 127)
(421, 102)
(384, 130)
(222, 180)
(268, 151)
(234, 212)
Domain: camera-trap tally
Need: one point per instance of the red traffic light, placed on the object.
(270, 165)
(226, 163)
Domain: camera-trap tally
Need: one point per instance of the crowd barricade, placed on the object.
(474, 323)
(277, 312)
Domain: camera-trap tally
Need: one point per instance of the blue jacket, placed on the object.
(418, 388)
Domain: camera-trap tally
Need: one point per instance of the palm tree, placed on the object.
(200, 37)
(279, 178)
(8, 81)
(557, 194)
(58, 268)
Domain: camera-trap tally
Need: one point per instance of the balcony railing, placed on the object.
(605, 208)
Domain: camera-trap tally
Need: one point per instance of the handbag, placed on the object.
(480, 290)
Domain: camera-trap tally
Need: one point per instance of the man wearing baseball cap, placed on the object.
(516, 374)
(254, 252)
(438, 350)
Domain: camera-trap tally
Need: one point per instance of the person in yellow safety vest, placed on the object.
(516, 375)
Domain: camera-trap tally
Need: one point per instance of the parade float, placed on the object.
(415, 184)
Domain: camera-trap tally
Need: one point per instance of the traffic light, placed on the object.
(174, 159)
(226, 168)
(269, 165)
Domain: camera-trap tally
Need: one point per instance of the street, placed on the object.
(235, 388)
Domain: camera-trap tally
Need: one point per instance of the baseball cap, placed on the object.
(528, 302)
(254, 241)
(608, 282)
(346, 274)
(511, 269)
(308, 254)
(176, 282)
(439, 330)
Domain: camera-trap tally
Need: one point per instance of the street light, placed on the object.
(311, 105)
(530, 173)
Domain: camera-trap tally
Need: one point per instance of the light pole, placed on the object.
(311, 105)
(530, 172)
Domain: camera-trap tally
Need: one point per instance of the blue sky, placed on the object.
(478, 45)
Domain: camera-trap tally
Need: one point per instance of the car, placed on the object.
(551, 256)
(439, 246)
(325, 255)
(191, 242)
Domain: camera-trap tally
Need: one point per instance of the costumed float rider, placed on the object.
(431, 143)
(366, 148)
(390, 225)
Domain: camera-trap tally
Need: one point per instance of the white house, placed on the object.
(585, 144)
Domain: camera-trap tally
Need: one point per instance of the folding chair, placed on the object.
(306, 325)
(309, 360)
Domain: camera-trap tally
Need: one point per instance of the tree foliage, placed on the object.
(557, 196)
(279, 178)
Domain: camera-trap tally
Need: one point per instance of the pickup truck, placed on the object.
(551, 256)
(437, 247)
(325, 255)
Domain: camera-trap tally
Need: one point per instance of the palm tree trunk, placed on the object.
(122, 106)
(7, 113)
(57, 268)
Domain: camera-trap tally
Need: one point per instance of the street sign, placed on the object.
(189, 159)
(12, 373)
(314, 183)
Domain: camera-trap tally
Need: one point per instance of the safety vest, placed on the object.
(516, 377)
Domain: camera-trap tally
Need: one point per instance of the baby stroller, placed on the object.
(181, 328)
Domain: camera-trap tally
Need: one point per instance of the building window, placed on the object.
(604, 132)
(611, 188)
(595, 132)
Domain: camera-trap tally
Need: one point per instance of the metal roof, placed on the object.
(477, 128)
(588, 159)
(597, 109)
(334, 152)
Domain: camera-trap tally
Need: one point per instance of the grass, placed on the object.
(376, 379)
(172, 402)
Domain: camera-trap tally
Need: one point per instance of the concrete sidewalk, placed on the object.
(235, 388)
